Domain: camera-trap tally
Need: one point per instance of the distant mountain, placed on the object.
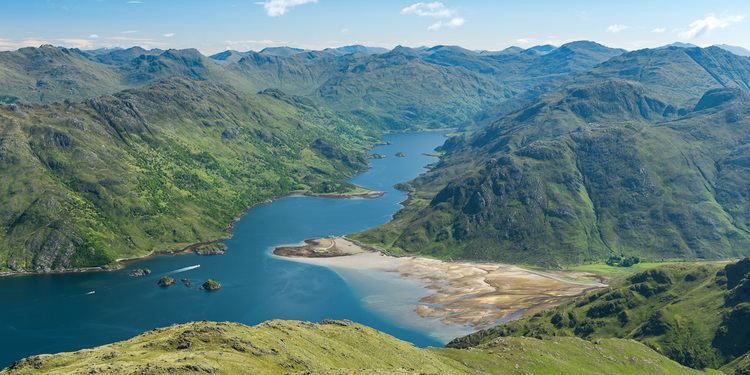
(229, 56)
(360, 49)
(119, 56)
(48, 73)
(572, 57)
(282, 51)
(442, 86)
(695, 314)
(676, 75)
(678, 45)
(740, 51)
(542, 49)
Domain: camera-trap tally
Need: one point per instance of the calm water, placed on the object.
(53, 313)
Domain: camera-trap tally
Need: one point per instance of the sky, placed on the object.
(216, 25)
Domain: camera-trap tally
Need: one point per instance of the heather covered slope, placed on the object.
(278, 347)
(157, 168)
(583, 174)
(696, 314)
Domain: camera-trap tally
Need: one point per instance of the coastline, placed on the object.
(456, 294)
(121, 263)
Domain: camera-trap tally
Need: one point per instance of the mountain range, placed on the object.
(570, 154)
(639, 155)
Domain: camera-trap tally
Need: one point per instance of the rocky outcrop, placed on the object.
(165, 281)
(139, 272)
(211, 285)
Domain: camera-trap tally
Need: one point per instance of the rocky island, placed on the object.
(211, 285)
(166, 281)
(140, 272)
(401, 154)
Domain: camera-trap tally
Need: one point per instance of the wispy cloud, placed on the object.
(616, 28)
(93, 36)
(452, 23)
(276, 8)
(135, 2)
(128, 32)
(76, 43)
(433, 9)
(436, 9)
(6, 44)
(168, 35)
(702, 26)
(659, 30)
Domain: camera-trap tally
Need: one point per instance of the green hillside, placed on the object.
(157, 168)
(405, 88)
(695, 314)
(277, 347)
(582, 174)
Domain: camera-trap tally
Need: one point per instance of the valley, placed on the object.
(242, 206)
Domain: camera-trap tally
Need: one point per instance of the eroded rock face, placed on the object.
(54, 248)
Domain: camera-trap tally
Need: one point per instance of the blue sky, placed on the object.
(217, 25)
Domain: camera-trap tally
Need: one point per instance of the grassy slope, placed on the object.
(342, 347)
(157, 168)
(682, 311)
(573, 179)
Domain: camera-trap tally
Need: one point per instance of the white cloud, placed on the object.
(616, 28)
(168, 35)
(275, 8)
(135, 2)
(700, 27)
(436, 9)
(129, 32)
(9, 45)
(453, 23)
(433, 9)
(659, 30)
(76, 43)
(93, 36)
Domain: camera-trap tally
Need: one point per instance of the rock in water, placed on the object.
(215, 248)
(166, 281)
(401, 154)
(186, 282)
(211, 285)
(140, 272)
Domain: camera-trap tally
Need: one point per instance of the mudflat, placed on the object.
(474, 294)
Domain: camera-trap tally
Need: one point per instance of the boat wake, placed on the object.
(183, 269)
(91, 292)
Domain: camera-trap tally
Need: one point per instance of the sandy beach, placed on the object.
(475, 295)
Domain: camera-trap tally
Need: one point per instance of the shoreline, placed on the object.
(121, 263)
(458, 294)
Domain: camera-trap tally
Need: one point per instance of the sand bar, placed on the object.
(477, 295)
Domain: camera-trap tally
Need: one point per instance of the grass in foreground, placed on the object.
(276, 347)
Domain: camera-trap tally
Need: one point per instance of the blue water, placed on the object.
(54, 313)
